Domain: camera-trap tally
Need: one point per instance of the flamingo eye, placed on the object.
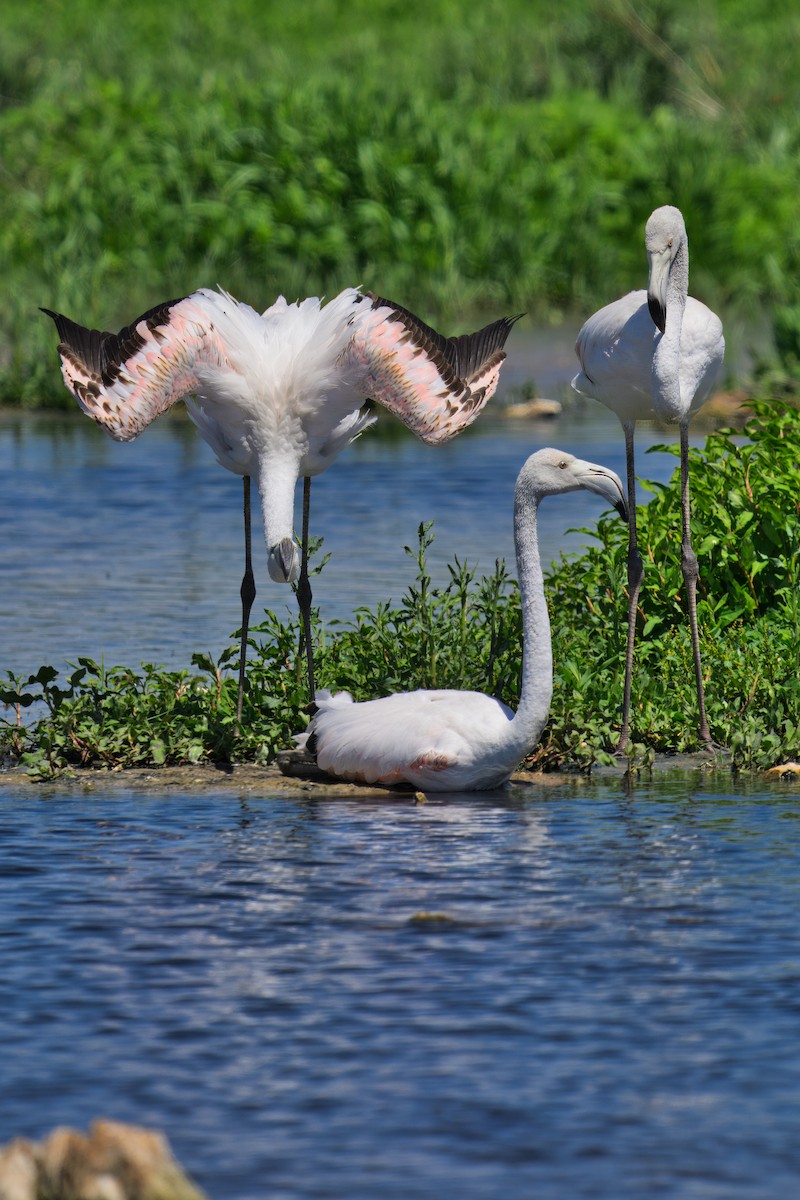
(669, 244)
(562, 465)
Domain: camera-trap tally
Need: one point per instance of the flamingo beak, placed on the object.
(607, 484)
(660, 262)
(284, 561)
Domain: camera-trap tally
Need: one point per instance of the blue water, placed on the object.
(562, 992)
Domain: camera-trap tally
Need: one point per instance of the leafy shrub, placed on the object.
(746, 533)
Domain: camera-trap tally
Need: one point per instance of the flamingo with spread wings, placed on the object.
(279, 394)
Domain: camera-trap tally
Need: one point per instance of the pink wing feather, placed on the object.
(435, 385)
(124, 380)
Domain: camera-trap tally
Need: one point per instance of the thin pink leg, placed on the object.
(304, 592)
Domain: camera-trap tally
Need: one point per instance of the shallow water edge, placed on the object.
(250, 779)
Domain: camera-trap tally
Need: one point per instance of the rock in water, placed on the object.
(114, 1162)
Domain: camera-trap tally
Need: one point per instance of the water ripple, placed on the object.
(583, 994)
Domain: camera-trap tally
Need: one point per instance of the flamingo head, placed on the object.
(549, 472)
(283, 561)
(664, 236)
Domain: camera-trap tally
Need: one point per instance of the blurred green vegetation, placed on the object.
(461, 159)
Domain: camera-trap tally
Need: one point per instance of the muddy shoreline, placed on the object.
(249, 779)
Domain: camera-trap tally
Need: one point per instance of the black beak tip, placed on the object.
(657, 312)
(622, 509)
(285, 551)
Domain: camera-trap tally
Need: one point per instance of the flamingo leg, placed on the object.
(690, 576)
(304, 592)
(635, 576)
(248, 594)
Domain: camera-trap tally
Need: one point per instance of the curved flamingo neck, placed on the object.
(667, 399)
(537, 652)
(277, 476)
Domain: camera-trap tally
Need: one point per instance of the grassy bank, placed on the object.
(500, 158)
(746, 530)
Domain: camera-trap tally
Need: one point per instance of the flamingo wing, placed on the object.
(436, 385)
(615, 350)
(617, 341)
(124, 380)
(702, 353)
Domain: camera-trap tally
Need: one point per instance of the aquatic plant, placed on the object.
(466, 634)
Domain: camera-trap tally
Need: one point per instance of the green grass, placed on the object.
(491, 158)
(746, 531)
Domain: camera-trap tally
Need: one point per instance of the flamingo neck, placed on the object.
(537, 651)
(277, 476)
(667, 399)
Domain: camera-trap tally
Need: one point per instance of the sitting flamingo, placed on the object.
(446, 741)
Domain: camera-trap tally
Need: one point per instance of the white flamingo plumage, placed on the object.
(444, 741)
(655, 355)
(278, 395)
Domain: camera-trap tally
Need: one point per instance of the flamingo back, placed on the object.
(435, 740)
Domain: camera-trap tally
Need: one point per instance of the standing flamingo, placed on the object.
(445, 741)
(655, 355)
(278, 395)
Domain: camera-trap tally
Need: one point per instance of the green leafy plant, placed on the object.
(746, 532)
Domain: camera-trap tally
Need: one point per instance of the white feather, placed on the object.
(615, 348)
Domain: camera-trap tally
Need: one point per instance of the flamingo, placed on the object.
(279, 395)
(655, 355)
(444, 741)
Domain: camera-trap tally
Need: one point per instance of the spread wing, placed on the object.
(124, 380)
(436, 385)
